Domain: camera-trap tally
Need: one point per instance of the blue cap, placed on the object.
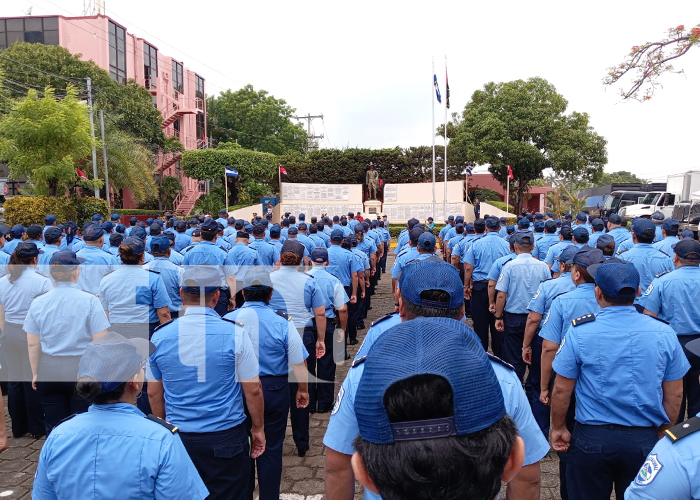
(598, 224)
(477, 397)
(139, 233)
(510, 229)
(115, 216)
(134, 220)
(93, 233)
(426, 241)
(17, 230)
(587, 256)
(426, 275)
(539, 226)
(658, 215)
(469, 228)
(581, 234)
(568, 217)
(524, 238)
(107, 226)
(120, 228)
(643, 227)
(223, 212)
(294, 246)
(294, 230)
(4, 229)
(524, 223)
(257, 279)
(616, 279)
(302, 217)
(687, 249)
(27, 249)
(201, 276)
(479, 224)
(66, 259)
(614, 219)
(459, 218)
(116, 239)
(451, 217)
(258, 229)
(275, 231)
(568, 253)
(248, 228)
(492, 224)
(604, 240)
(112, 359)
(209, 225)
(50, 219)
(539, 216)
(149, 221)
(337, 235)
(96, 217)
(34, 231)
(52, 234)
(549, 214)
(687, 234)
(581, 217)
(159, 244)
(136, 244)
(671, 224)
(319, 255)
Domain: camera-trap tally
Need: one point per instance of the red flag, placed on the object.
(283, 171)
(510, 174)
(81, 175)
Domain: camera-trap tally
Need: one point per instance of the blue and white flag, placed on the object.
(231, 172)
(469, 171)
(437, 88)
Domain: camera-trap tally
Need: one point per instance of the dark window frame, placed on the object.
(178, 76)
(42, 30)
(150, 62)
(117, 52)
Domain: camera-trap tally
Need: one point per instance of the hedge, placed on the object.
(210, 164)
(138, 211)
(28, 210)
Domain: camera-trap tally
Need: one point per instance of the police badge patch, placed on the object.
(649, 471)
(338, 400)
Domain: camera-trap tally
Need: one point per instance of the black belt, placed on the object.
(616, 427)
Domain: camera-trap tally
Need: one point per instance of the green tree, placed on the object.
(620, 177)
(43, 138)
(129, 105)
(647, 62)
(255, 120)
(523, 124)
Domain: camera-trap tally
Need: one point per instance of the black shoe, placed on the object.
(347, 356)
(353, 341)
(360, 326)
(302, 452)
(325, 410)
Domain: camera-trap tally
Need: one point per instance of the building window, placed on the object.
(117, 52)
(150, 65)
(199, 120)
(199, 87)
(176, 128)
(177, 76)
(29, 29)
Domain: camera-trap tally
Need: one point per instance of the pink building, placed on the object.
(178, 92)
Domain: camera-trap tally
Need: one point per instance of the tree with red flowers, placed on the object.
(646, 63)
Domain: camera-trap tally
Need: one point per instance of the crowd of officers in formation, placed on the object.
(163, 359)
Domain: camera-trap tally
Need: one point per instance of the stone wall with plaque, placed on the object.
(404, 201)
(318, 199)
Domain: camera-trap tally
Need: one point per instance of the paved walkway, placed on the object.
(302, 478)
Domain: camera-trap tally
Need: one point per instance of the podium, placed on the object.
(372, 208)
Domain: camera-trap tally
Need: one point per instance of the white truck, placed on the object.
(679, 187)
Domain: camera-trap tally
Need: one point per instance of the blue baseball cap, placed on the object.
(136, 244)
(336, 235)
(568, 217)
(120, 228)
(451, 217)
(257, 279)
(96, 217)
(426, 241)
(50, 219)
(223, 212)
(614, 219)
(617, 279)
(275, 231)
(539, 226)
(492, 224)
(671, 224)
(4, 230)
(294, 246)
(581, 217)
(549, 214)
(510, 229)
(52, 234)
(687, 234)
(210, 225)
(115, 216)
(479, 224)
(294, 230)
(27, 249)
(107, 226)
(469, 227)
(604, 240)
(93, 233)
(477, 397)
(139, 233)
(524, 223)
(539, 216)
(524, 237)
(66, 259)
(586, 257)
(643, 227)
(160, 244)
(658, 215)
(116, 239)
(598, 224)
(248, 228)
(201, 276)
(17, 231)
(688, 249)
(149, 221)
(424, 275)
(34, 231)
(319, 255)
(568, 253)
(134, 220)
(581, 234)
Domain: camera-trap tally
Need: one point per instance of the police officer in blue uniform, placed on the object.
(52, 239)
(170, 273)
(4, 257)
(16, 233)
(672, 297)
(132, 225)
(549, 238)
(617, 230)
(669, 232)
(153, 461)
(616, 372)
(202, 367)
(97, 262)
(442, 284)
(279, 348)
(49, 221)
(268, 255)
(658, 219)
(552, 259)
(597, 229)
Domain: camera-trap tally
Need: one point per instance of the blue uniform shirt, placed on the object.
(65, 319)
(498, 264)
(367, 245)
(176, 257)
(565, 309)
(593, 238)
(674, 297)
(666, 245)
(97, 264)
(483, 253)
(332, 289)
(132, 294)
(670, 471)
(342, 265)
(202, 359)
(624, 246)
(171, 275)
(182, 241)
(10, 246)
(153, 463)
(402, 260)
(267, 254)
(4, 260)
(543, 245)
(619, 370)
(205, 252)
(503, 232)
(649, 262)
(317, 240)
(520, 280)
(620, 234)
(553, 253)
(17, 297)
(239, 260)
(276, 342)
(297, 294)
(45, 258)
(325, 238)
(659, 235)
(548, 291)
(403, 239)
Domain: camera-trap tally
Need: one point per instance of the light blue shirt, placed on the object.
(133, 294)
(619, 370)
(659, 235)
(649, 263)
(624, 246)
(317, 240)
(297, 294)
(171, 274)
(483, 253)
(593, 238)
(498, 265)
(17, 297)
(175, 257)
(403, 239)
(342, 265)
(620, 234)
(205, 252)
(182, 241)
(367, 245)
(543, 245)
(4, 260)
(97, 264)
(554, 252)
(333, 290)
(45, 258)
(566, 308)
(666, 245)
(153, 461)
(325, 238)
(202, 359)
(520, 280)
(674, 297)
(267, 254)
(402, 260)
(549, 290)
(65, 319)
(670, 472)
(10, 246)
(276, 342)
(239, 260)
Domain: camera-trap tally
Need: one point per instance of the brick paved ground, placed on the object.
(302, 478)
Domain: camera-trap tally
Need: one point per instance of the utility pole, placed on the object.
(92, 134)
(310, 137)
(104, 160)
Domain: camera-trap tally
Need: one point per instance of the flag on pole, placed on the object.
(437, 88)
(283, 171)
(231, 172)
(447, 91)
(81, 175)
(510, 174)
(469, 171)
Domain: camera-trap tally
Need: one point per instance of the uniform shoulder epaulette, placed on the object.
(109, 272)
(586, 318)
(546, 279)
(66, 419)
(164, 324)
(283, 314)
(314, 277)
(172, 428)
(661, 274)
(152, 271)
(359, 361)
(187, 249)
(500, 361)
(41, 274)
(387, 316)
(659, 319)
(683, 429)
(237, 323)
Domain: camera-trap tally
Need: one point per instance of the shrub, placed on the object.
(501, 205)
(138, 211)
(28, 210)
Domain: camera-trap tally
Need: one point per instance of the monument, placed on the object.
(372, 205)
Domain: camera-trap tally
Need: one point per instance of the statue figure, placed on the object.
(372, 181)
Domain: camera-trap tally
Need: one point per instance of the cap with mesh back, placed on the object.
(414, 234)
(425, 275)
(112, 359)
(617, 279)
(196, 278)
(257, 279)
(688, 249)
(419, 343)
(671, 224)
(686, 234)
(604, 240)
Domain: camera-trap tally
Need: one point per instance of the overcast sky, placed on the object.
(366, 65)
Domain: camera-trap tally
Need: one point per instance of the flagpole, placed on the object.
(507, 189)
(447, 100)
(432, 99)
(226, 189)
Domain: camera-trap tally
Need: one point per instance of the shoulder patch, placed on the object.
(683, 429)
(152, 271)
(172, 428)
(359, 361)
(164, 324)
(648, 472)
(586, 318)
(284, 315)
(237, 323)
(377, 321)
(500, 361)
(338, 400)
(661, 274)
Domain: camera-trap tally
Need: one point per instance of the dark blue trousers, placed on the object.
(603, 457)
(532, 387)
(299, 417)
(513, 341)
(351, 332)
(484, 321)
(56, 388)
(223, 461)
(691, 382)
(321, 390)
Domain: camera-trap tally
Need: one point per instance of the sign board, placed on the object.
(389, 192)
(403, 212)
(318, 210)
(316, 192)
